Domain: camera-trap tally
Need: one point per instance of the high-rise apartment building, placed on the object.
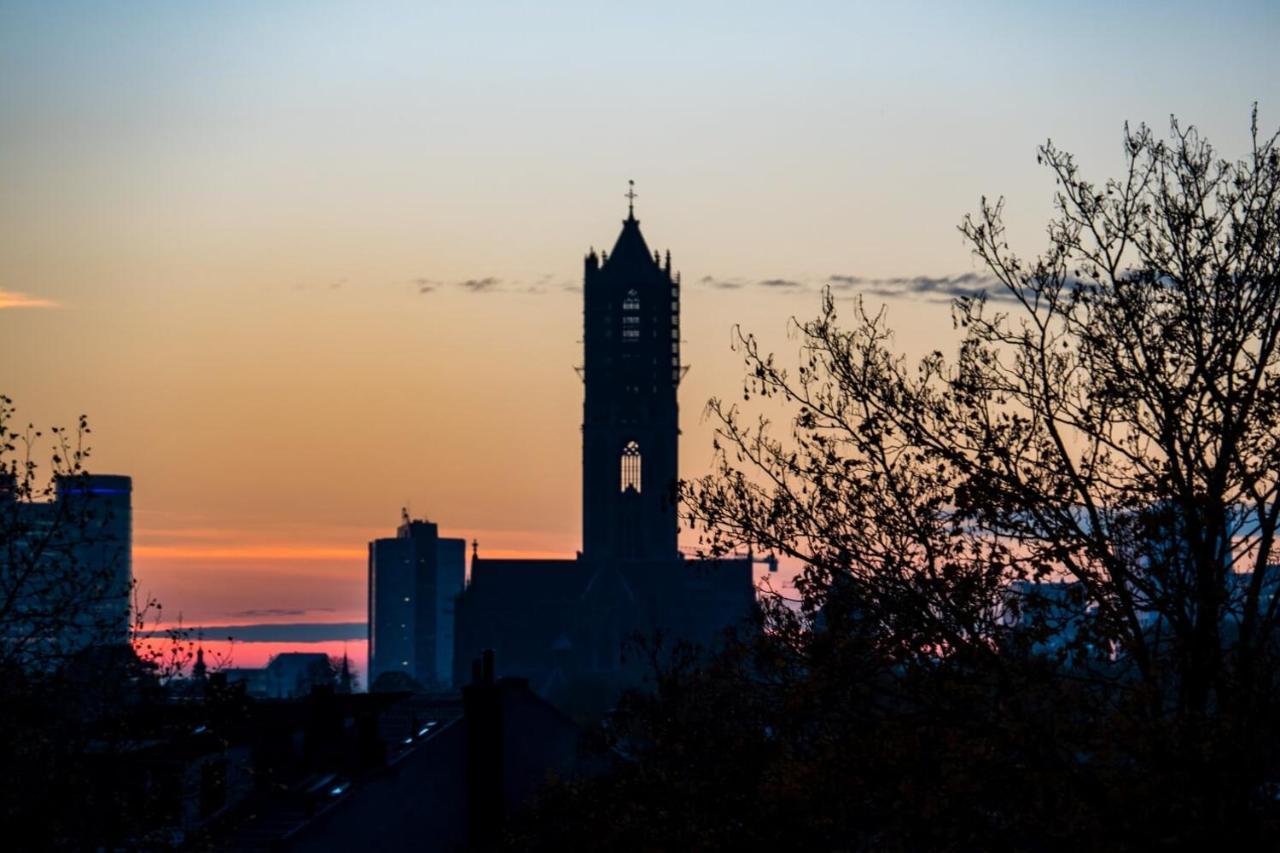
(66, 568)
(414, 580)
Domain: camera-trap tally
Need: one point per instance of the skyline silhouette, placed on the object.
(301, 265)
(370, 479)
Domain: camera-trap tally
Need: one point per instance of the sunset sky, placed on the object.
(305, 263)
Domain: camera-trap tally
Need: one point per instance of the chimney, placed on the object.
(482, 706)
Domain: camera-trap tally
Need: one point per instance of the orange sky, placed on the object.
(303, 264)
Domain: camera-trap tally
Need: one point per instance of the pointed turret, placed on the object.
(344, 677)
(199, 671)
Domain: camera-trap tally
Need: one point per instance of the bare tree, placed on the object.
(69, 676)
(61, 587)
(1094, 477)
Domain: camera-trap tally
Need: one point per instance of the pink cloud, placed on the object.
(13, 299)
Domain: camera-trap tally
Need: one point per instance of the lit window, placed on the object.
(631, 467)
(631, 317)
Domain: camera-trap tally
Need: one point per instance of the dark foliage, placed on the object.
(1038, 603)
(75, 674)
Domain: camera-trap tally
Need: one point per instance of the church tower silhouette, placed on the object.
(563, 623)
(630, 426)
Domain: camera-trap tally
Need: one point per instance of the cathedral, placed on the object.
(569, 626)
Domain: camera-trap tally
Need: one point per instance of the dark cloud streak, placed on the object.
(720, 283)
(926, 288)
(298, 632)
(480, 285)
(259, 613)
(935, 289)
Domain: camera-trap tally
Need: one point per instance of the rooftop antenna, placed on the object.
(631, 199)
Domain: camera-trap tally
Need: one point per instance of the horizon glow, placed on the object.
(303, 264)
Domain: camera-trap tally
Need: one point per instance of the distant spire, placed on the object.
(475, 548)
(631, 199)
(200, 671)
(344, 678)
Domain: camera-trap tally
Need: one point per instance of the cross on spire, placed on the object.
(631, 199)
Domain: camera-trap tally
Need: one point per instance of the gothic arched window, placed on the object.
(630, 467)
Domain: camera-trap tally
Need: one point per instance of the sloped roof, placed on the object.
(520, 582)
(630, 248)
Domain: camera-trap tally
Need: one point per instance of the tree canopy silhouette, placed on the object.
(1110, 423)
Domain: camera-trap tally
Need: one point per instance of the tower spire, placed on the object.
(631, 199)
(344, 676)
(200, 671)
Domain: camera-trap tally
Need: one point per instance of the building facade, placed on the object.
(414, 580)
(66, 567)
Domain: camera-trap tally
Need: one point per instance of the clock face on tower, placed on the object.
(630, 429)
